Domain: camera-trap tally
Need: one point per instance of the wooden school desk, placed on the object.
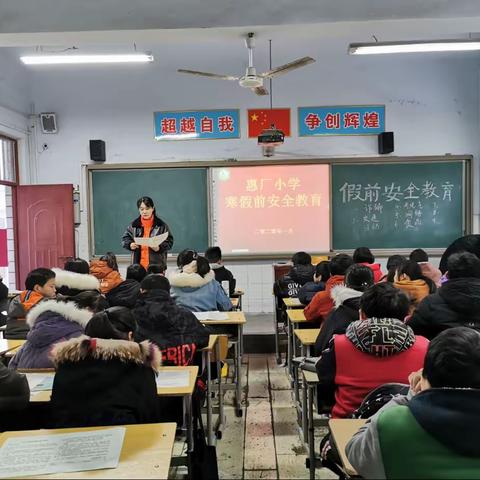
(236, 299)
(8, 347)
(146, 452)
(238, 319)
(291, 302)
(343, 429)
(295, 316)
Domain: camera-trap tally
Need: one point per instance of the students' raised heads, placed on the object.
(213, 254)
(453, 359)
(463, 265)
(116, 323)
(322, 271)
(77, 265)
(359, 277)
(155, 281)
(42, 281)
(339, 264)
(93, 301)
(136, 272)
(383, 300)
(301, 258)
(185, 257)
(363, 255)
(158, 268)
(111, 260)
(419, 255)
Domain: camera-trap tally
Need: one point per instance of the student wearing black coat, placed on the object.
(320, 276)
(455, 304)
(126, 294)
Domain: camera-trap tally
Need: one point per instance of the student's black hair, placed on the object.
(113, 323)
(383, 300)
(363, 255)
(419, 255)
(301, 258)
(39, 276)
(339, 264)
(323, 269)
(453, 359)
(359, 277)
(213, 254)
(77, 265)
(94, 301)
(186, 256)
(155, 281)
(463, 265)
(136, 272)
(393, 262)
(414, 272)
(111, 260)
(158, 267)
(147, 201)
(203, 267)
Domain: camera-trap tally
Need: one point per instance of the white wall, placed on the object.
(431, 105)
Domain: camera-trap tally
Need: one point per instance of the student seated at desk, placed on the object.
(174, 329)
(39, 286)
(214, 257)
(159, 268)
(433, 431)
(194, 286)
(379, 348)
(433, 273)
(347, 304)
(104, 378)
(320, 276)
(126, 293)
(106, 270)
(364, 256)
(393, 263)
(301, 272)
(53, 321)
(75, 278)
(322, 303)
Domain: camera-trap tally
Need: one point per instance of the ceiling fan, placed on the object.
(251, 80)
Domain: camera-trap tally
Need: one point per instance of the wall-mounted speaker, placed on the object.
(97, 150)
(385, 143)
(48, 121)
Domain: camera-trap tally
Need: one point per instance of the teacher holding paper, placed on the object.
(147, 237)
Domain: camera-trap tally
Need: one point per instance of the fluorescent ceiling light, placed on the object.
(413, 47)
(77, 59)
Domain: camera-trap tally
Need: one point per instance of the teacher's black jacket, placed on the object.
(135, 229)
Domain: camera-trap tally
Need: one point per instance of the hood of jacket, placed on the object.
(451, 416)
(333, 281)
(100, 269)
(83, 348)
(462, 295)
(155, 309)
(302, 274)
(74, 280)
(67, 310)
(382, 337)
(190, 280)
(341, 293)
(125, 294)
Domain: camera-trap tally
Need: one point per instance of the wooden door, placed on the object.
(44, 227)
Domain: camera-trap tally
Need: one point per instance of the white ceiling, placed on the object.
(23, 16)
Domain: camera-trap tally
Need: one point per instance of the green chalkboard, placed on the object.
(398, 205)
(180, 196)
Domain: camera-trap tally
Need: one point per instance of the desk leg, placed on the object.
(304, 408)
(187, 406)
(289, 346)
(311, 437)
(210, 440)
(238, 374)
(221, 417)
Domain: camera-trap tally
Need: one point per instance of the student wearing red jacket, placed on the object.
(364, 256)
(322, 303)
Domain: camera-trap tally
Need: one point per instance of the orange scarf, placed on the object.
(147, 225)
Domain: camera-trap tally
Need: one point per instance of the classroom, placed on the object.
(239, 240)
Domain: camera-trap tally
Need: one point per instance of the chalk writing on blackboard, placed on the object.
(415, 205)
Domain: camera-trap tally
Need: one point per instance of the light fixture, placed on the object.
(79, 59)
(413, 47)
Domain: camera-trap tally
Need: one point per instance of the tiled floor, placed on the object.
(265, 442)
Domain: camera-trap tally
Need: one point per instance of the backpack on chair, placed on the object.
(379, 397)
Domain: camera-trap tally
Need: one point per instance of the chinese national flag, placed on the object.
(261, 119)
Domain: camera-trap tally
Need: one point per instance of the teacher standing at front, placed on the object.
(145, 226)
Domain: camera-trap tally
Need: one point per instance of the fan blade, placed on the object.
(301, 62)
(260, 90)
(207, 74)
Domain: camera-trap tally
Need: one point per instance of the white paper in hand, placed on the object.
(151, 241)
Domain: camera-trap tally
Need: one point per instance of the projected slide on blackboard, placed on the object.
(271, 209)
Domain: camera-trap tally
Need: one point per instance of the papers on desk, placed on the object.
(40, 382)
(172, 379)
(61, 453)
(151, 241)
(211, 315)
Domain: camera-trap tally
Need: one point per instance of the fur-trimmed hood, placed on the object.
(341, 293)
(68, 310)
(79, 281)
(192, 280)
(82, 348)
